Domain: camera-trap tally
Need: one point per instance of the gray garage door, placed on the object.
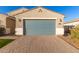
(39, 27)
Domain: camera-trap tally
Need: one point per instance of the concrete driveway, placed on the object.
(38, 44)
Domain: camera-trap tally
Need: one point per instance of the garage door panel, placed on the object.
(40, 27)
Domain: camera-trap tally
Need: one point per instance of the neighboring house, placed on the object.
(10, 25)
(8, 21)
(3, 20)
(72, 24)
(37, 21)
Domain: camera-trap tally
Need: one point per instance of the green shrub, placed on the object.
(2, 31)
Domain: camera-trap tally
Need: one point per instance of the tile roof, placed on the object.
(20, 9)
(36, 8)
(75, 20)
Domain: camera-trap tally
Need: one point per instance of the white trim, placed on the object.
(59, 31)
(37, 18)
(19, 31)
(73, 23)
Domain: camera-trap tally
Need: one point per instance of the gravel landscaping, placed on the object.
(74, 42)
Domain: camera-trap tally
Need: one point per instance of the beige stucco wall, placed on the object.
(19, 26)
(10, 25)
(39, 13)
(60, 26)
(3, 20)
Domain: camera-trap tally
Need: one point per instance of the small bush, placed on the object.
(67, 32)
(2, 31)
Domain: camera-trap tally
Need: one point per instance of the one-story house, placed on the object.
(72, 24)
(37, 21)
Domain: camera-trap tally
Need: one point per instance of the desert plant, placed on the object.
(75, 32)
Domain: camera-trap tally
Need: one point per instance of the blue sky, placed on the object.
(70, 12)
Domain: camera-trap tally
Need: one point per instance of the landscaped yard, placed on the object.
(4, 42)
(73, 37)
(73, 41)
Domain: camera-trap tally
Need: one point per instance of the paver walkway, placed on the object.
(38, 44)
